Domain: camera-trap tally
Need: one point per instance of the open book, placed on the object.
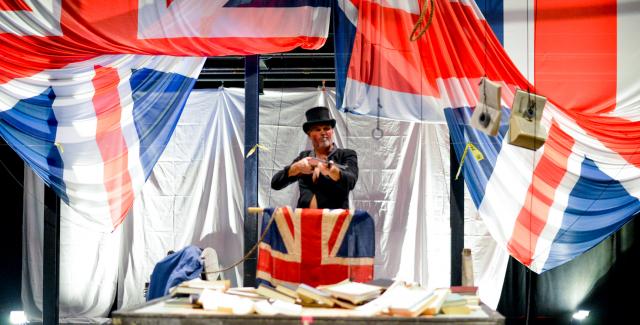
(353, 292)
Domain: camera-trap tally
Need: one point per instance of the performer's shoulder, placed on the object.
(349, 151)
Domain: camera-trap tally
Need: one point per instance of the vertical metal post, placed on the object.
(51, 258)
(251, 124)
(456, 212)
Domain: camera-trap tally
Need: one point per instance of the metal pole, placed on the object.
(251, 123)
(51, 258)
(456, 212)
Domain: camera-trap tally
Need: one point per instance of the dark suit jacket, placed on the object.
(329, 194)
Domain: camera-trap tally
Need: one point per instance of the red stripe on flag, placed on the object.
(36, 54)
(456, 45)
(382, 54)
(311, 245)
(14, 5)
(576, 53)
(111, 143)
(336, 229)
(546, 177)
(620, 135)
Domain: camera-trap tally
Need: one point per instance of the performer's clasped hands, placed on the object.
(309, 165)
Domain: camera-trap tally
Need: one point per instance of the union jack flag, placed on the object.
(316, 247)
(89, 97)
(546, 207)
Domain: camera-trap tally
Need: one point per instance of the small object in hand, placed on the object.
(329, 163)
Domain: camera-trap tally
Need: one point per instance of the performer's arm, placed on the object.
(288, 174)
(342, 178)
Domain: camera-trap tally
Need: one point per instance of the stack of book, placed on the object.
(455, 304)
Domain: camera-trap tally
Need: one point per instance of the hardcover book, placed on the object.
(271, 292)
(309, 294)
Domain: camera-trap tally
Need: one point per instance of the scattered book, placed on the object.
(464, 289)
(381, 304)
(288, 289)
(472, 300)
(415, 301)
(353, 292)
(197, 285)
(309, 294)
(456, 310)
(383, 283)
(183, 302)
(271, 292)
(435, 305)
(454, 299)
(343, 304)
(221, 302)
(410, 301)
(247, 292)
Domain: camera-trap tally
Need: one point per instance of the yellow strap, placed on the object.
(477, 154)
(59, 146)
(257, 146)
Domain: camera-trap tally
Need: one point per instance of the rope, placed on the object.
(244, 258)
(415, 34)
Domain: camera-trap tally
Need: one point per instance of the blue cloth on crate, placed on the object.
(174, 269)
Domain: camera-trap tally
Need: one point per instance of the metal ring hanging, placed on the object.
(377, 133)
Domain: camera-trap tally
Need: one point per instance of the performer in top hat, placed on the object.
(325, 174)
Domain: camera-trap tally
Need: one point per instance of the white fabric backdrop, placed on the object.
(194, 196)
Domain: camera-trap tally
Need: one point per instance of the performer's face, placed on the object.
(321, 136)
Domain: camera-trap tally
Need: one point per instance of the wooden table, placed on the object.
(156, 312)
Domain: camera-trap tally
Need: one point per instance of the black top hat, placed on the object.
(317, 115)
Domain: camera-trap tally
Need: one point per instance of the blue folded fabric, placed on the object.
(174, 269)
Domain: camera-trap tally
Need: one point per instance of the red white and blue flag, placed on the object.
(316, 247)
(546, 206)
(89, 97)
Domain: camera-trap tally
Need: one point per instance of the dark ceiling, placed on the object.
(298, 68)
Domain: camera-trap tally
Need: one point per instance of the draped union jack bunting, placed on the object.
(316, 247)
(545, 207)
(89, 97)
